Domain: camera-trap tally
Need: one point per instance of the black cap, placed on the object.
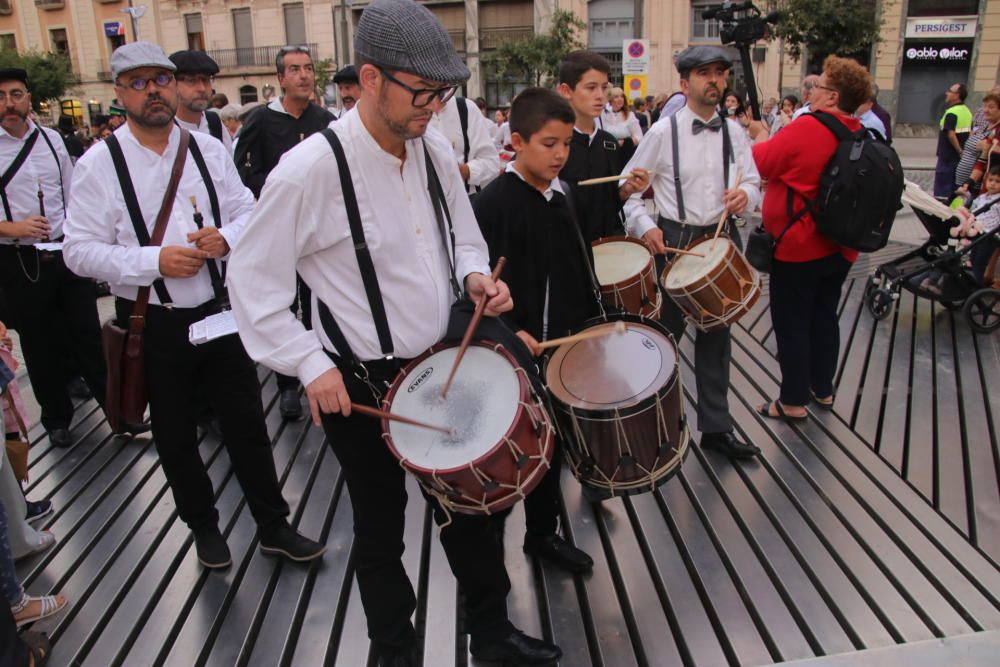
(346, 75)
(193, 62)
(14, 74)
(696, 56)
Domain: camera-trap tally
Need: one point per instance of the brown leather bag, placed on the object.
(127, 397)
(17, 450)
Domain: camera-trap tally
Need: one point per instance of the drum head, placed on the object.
(615, 261)
(688, 269)
(481, 406)
(614, 371)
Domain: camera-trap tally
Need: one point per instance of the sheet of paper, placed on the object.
(212, 327)
(50, 247)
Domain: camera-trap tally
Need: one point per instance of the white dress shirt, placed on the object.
(100, 238)
(202, 127)
(700, 169)
(301, 225)
(622, 129)
(40, 167)
(805, 108)
(484, 159)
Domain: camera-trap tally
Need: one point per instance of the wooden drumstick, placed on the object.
(384, 414)
(620, 327)
(683, 252)
(473, 325)
(608, 179)
(725, 214)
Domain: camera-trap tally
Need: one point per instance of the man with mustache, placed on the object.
(352, 212)
(270, 131)
(53, 309)
(195, 76)
(695, 157)
(106, 220)
(348, 88)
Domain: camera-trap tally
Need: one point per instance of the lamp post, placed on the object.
(135, 13)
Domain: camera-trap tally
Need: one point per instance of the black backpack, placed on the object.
(860, 189)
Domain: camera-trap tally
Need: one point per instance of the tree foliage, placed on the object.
(825, 27)
(49, 74)
(537, 58)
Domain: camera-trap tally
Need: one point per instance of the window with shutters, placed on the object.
(59, 41)
(248, 94)
(243, 32)
(295, 23)
(195, 32)
(8, 42)
(703, 30)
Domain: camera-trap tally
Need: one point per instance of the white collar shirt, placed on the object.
(300, 225)
(100, 238)
(701, 172)
(554, 186)
(593, 133)
(484, 159)
(202, 126)
(53, 173)
(804, 109)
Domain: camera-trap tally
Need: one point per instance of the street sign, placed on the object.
(635, 86)
(635, 56)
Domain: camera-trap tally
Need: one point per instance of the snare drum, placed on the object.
(713, 291)
(503, 437)
(619, 405)
(627, 275)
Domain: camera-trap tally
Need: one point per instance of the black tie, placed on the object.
(714, 125)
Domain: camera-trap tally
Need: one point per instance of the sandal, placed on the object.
(38, 648)
(825, 403)
(765, 411)
(45, 542)
(48, 605)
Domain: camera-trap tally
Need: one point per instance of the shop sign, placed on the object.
(114, 29)
(937, 53)
(941, 27)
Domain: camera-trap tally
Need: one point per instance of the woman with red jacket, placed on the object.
(809, 269)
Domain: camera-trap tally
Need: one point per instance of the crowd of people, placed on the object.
(289, 214)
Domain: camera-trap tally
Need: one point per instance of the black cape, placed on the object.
(598, 206)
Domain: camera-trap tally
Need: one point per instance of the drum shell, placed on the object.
(721, 297)
(636, 294)
(516, 475)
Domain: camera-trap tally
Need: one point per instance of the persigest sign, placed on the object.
(942, 28)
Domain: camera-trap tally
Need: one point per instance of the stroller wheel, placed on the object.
(982, 309)
(879, 302)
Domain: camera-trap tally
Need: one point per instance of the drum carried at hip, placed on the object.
(627, 276)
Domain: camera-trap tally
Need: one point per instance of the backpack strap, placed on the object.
(214, 124)
(828, 121)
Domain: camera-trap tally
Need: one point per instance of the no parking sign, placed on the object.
(635, 66)
(635, 86)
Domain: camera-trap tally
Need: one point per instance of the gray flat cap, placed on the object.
(696, 56)
(138, 54)
(402, 35)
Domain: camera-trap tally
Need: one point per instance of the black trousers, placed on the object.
(376, 484)
(304, 304)
(174, 370)
(981, 256)
(56, 316)
(712, 349)
(804, 299)
(13, 651)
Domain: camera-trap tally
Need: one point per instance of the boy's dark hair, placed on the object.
(534, 107)
(576, 64)
(994, 171)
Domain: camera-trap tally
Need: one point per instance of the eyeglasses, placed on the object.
(15, 96)
(423, 96)
(196, 78)
(832, 90)
(139, 83)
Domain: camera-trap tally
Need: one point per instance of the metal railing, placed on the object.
(491, 38)
(254, 56)
(50, 4)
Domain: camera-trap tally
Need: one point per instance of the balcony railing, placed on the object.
(50, 4)
(491, 38)
(254, 56)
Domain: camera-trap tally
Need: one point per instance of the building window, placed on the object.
(295, 23)
(59, 41)
(243, 31)
(702, 30)
(248, 94)
(8, 42)
(195, 32)
(942, 8)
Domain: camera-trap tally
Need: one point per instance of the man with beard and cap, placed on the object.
(348, 88)
(267, 133)
(195, 76)
(53, 309)
(119, 185)
(384, 284)
(695, 157)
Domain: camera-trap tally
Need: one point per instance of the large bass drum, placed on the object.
(619, 405)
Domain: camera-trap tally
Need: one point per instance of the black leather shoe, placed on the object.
(61, 438)
(280, 539)
(289, 405)
(397, 659)
(134, 429)
(559, 552)
(77, 388)
(213, 552)
(730, 445)
(517, 648)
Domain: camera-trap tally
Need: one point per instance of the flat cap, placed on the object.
(14, 74)
(138, 54)
(193, 62)
(696, 56)
(346, 74)
(403, 35)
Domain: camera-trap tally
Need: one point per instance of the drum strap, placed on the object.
(727, 157)
(365, 265)
(594, 282)
(440, 203)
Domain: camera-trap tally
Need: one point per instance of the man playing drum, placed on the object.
(709, 155)
(350, 209)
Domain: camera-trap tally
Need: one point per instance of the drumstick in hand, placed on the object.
(620, 327)
(608, 179)
(725, 213)
(679, 251)
(477, 315)
(383, 414)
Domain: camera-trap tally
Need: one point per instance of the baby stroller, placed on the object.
(940, 275)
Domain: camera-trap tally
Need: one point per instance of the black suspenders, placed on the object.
(8, 175)
(727, 157)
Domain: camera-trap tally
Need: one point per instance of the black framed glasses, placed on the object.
(139, 83)
(832, 90)
(423, 96)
